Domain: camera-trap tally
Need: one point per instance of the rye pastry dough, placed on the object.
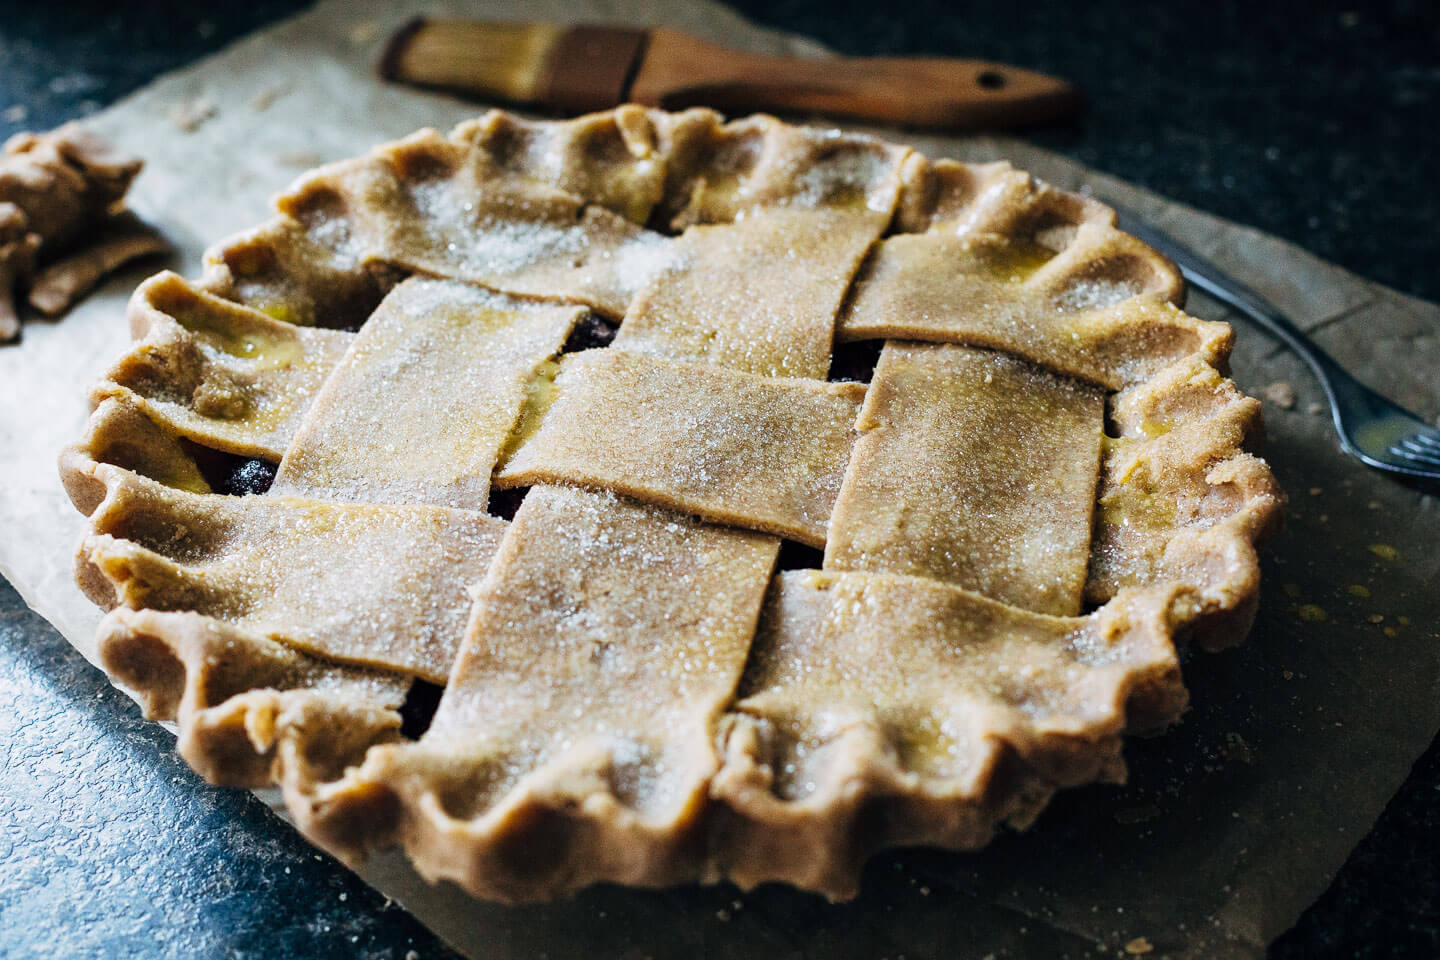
(751, 498)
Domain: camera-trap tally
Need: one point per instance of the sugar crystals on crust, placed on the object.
(532, 420)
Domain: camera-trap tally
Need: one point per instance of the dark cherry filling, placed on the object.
(249, 477)
(419, 708)
(797, 556)
(592, 331)
(504, 503)
(1112, 429)
(230, 473)
(355, 311)
(854, 362)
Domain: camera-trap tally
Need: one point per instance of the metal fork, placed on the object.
(1379, 433)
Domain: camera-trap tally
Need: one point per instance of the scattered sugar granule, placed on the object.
(1385, 552)
(303, 159)
(1132, 815)
(17, 113)
(189, 115)
(1096, 294)
(1281, 394)
(267, 97)
(362, 32)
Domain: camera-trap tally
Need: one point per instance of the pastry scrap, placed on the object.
(62, 223)
(378, 585)
(526, 414)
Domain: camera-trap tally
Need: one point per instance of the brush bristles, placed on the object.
(505, 60)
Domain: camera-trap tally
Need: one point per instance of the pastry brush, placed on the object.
(577, 69)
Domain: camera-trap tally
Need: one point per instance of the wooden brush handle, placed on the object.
(679, 70)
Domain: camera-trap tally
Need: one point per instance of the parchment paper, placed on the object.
(1232, 823)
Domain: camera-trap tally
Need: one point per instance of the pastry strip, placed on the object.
(120, 432)
(419, 408)
(1096, 311)
(976, 469)
(605, 644)
(759, 295)
(217, 372)
(880, 710)
(382, 586)
(735, 448)
(945, 672)
(583, 585)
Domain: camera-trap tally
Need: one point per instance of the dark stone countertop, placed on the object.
(1313, 122)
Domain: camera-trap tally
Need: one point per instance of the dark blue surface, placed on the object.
(1316, 123)
(110, 846)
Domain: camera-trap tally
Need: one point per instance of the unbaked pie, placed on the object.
(646, 498)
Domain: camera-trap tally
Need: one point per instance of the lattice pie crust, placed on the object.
(650, 672)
